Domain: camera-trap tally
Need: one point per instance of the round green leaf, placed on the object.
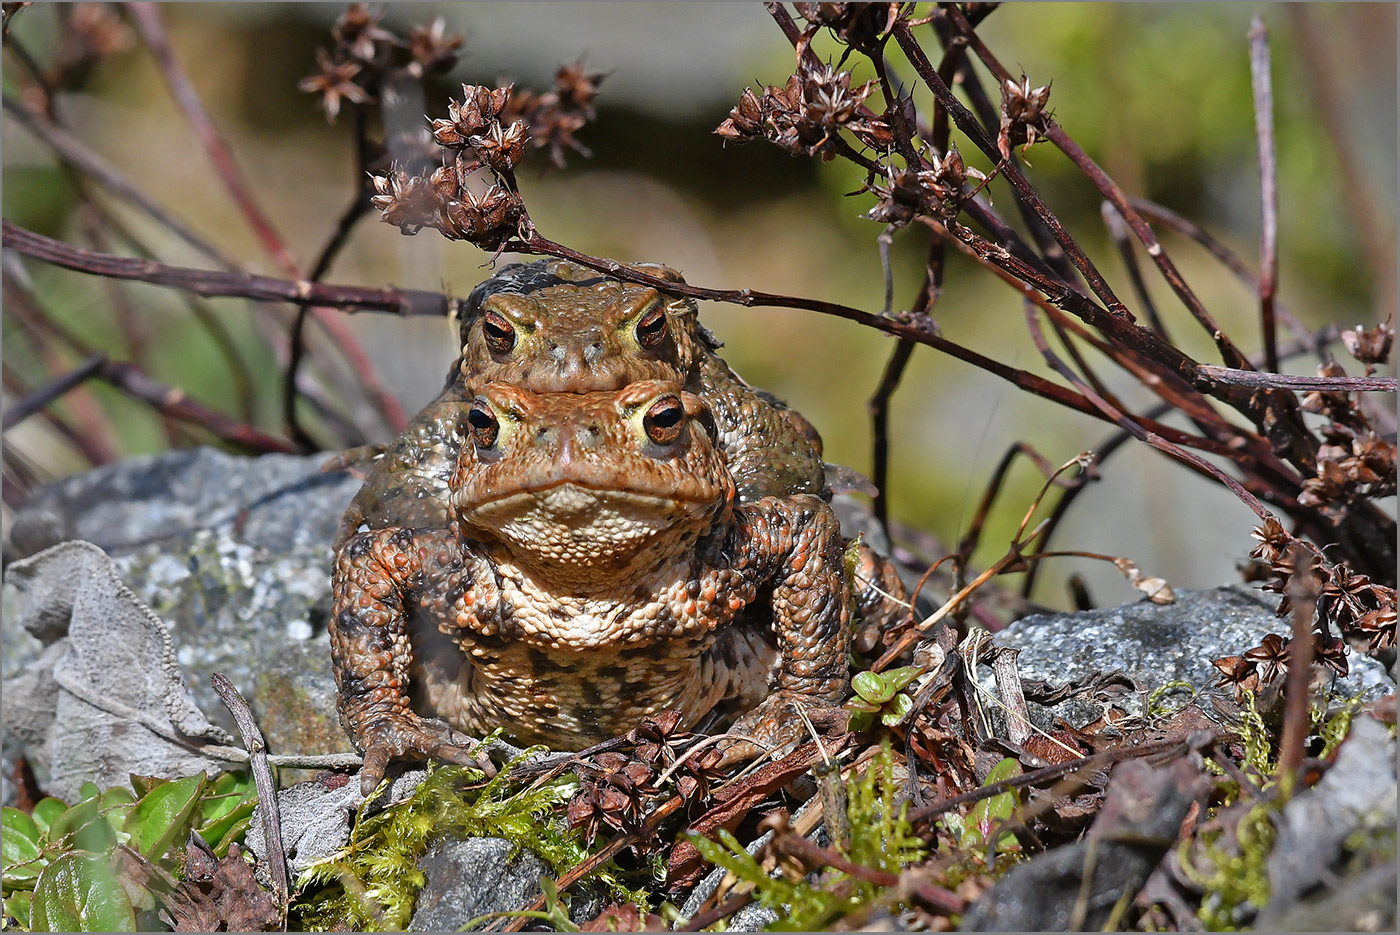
(46, 811)
(79, 893)
(872, 687)
(82, 828)
(163, 816)
(17, 905)
(897, 710)
(19, 846)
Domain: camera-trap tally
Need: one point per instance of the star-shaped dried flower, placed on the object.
(334, 82)
(433, 48)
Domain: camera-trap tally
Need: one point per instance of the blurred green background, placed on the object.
(1158, 94)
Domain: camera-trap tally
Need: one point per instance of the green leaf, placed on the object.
(46, 810)
(83, 828)
(860, 720)
(214, 831)
(144, 784)
(115, 805)
(89, 790)
(873, 687)
(897, 710)
(985, 815)
(226, 794)
(17, 905)
(231, 836)
(79, 893)
(899, 678)
(163, 815)
(19, 846)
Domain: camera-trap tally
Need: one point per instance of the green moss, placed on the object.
(372, 884)
(1235, 881)
(881, 838)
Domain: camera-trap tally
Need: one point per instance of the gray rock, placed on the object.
(1156, 644)
(1357, 794)
(470, 878)
(233, 553)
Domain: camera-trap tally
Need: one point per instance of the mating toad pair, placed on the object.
(596, 521)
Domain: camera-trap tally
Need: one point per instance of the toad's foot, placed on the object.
(779, 724)
(409, 737)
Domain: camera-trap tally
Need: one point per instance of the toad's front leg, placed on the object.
(377, 575)
(798, 538)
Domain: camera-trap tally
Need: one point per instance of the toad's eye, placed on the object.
(651, 328)
(500, 334)
(664, 420)
(484, 425)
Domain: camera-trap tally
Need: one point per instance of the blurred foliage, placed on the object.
(1159, 94)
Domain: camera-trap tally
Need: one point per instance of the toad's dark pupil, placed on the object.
(663, 421)
(484, 427)
(499, 334)
(652, 328)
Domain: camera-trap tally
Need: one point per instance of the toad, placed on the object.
(596, 568)
(555, 327)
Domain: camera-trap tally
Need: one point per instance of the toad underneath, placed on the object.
(595, 570)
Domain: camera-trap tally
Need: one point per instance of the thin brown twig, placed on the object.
(1268, 186)
(148, 22)
(220, 283)
(41, 397)
(93, 452)
(920, 816)
(1375, 236)
(268, 812)
(70, 150)
(1302, 591)
(1288, 381)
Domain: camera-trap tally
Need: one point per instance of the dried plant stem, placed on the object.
(1302, 591)
(55, 389)
(71, 151)
(147, 18)
(1268, 186)
(268, 811)
(1096, 761)
(148, 21)
(1299, 384)
(216, 283)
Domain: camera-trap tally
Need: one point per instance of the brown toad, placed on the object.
(596, 569)
(553, 326)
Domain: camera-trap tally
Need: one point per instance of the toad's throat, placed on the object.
(574, 531)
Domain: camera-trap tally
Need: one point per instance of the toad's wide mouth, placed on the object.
(565, 498)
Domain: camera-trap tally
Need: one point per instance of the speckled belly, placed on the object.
(569, 700)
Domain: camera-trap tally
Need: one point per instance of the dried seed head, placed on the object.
(433, 48)
(333, 81)
(488, 221)
(501, 149)
(1023, 114)
(745, 121)
(1372, 346)
(357, 32)
(829, 101)
(409, 202)
(475, 113)
(576, 86)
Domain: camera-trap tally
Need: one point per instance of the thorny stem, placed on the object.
(1268, 186)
